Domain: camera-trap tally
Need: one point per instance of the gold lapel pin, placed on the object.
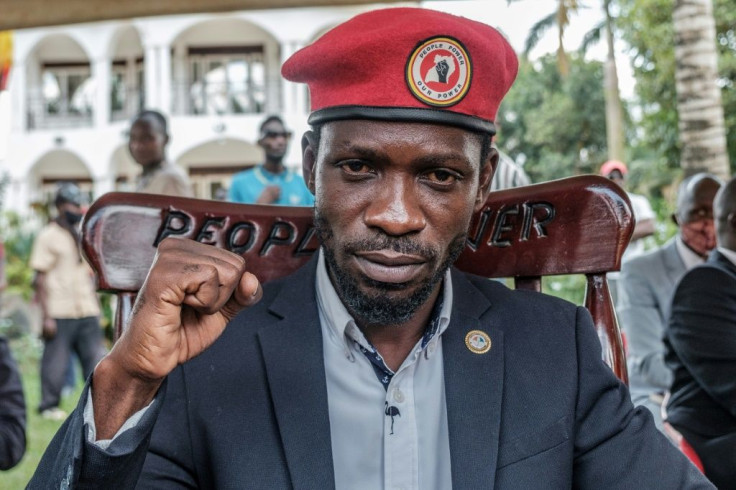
(478, 342)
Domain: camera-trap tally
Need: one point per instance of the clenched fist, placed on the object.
(192, 291)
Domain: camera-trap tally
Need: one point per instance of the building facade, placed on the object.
(74, 90)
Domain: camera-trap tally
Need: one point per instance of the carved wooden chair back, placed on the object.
(578, 225)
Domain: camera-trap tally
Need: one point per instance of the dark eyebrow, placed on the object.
(431, 160)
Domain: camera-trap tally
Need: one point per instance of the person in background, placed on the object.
(65, 290)
(700, 348)
(508, 174)
(643, 213)
(646, 285)
(147, 142)
(644, 219)
(12, 401)
(271, 182)
(12, 410)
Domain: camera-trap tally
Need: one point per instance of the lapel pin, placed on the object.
(478, 342)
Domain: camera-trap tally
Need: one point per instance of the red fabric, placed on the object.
(364, 62)
(688, 451)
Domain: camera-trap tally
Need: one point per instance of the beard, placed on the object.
(378, 307)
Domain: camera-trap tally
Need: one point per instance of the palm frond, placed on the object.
(592, 37)
(537, 31)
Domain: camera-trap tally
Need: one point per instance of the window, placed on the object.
(226, 80)
(66, 99)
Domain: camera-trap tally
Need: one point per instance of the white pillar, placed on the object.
(19, 100)
(181, 79)
(293, 95)
(152, 77)
(102, 76)
(164, 82)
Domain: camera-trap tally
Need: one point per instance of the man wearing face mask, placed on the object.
(65, 291)
(647, 284)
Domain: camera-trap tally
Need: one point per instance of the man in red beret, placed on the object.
(376, 365)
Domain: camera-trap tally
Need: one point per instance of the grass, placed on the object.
(39, 432)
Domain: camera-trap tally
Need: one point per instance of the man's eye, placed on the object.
(356, 167)
(441, 176)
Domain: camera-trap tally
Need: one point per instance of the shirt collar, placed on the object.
(341, 325)
(689, 258)
(729, 254)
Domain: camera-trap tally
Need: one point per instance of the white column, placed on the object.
(102, 184)
(293, 95)
(164, 83)
(181, 79)
(19, 100)
(102, 76)
(152, 77)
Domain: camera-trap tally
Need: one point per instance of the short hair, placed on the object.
(270, 119)
(156, 116)
(688, 186)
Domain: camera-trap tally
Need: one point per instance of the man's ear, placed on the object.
(487, 170)
(309, 160)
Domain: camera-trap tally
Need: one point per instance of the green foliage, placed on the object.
(646, 25)
(554, 124)
(18, 242)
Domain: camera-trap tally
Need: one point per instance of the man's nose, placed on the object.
(396, 208)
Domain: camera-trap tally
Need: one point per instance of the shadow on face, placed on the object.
(147, 142)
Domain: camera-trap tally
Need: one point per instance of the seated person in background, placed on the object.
(700, 346)
(643, 213)
(646, 285)
(12, 410)
(271, 182)
(147, 142)
(376, 365)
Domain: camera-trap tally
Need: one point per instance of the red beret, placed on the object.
(407, 64)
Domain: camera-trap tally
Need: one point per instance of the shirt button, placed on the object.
(432, 347)
(398, 395)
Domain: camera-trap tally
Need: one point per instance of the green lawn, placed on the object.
(39, 431)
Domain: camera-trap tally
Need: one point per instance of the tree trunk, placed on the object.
(699, 107)
(614, 112)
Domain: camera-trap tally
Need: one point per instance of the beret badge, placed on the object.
(439, 71)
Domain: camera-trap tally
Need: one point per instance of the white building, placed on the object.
(74, 89)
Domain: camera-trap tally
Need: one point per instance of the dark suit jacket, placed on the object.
(12, 410)
(539, 410)
(701, 350)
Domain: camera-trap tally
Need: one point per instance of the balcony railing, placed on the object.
(44, 113)
(219, 98)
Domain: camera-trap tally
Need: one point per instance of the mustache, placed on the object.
(402, 245)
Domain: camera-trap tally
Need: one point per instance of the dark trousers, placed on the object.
(81, 335)
(718, 455)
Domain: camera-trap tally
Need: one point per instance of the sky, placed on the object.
(513, 18)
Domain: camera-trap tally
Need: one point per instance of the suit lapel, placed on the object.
(473, 390)
(718, 258)
(291, 346)
(674, 266)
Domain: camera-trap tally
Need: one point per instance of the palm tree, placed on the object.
(561, 18)
(700, 111)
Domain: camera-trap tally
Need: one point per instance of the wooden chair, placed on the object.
(579, 225)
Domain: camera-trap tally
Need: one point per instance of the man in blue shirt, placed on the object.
(271, 182)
